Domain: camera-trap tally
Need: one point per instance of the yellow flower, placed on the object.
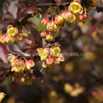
(11, 31)
(20, 65)
(76, 7)
(55, 51)
(12, 58)
(50, 37)
(43, 53)
(51, 26)
(70, 16)
(68, 88)
(9, 39)
(2, 95)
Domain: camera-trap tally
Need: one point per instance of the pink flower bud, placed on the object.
(44, 64)
(61, 58)
(59, 19)
(3, 38)
(43, 34)
(29, 64)
(49, 60)
(82, 16)
(45, 21)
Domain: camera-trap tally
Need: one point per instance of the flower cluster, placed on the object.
(12, 35)
(19, 65)
(28, 80)
(52, 26)
(73, 91)
(75, 12)
(50, 56)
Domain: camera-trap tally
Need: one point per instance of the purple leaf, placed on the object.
(8, 16)
(36, 36)
(3, 53)
(31, 10)
(13, 48)
(4, 65)
(13, 9)
(27, 41)
(5, 7)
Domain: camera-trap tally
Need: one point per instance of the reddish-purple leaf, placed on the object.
(2, 75)
(27, 41)
(4, 65)
(36, 36)
(21, 12)
(6, 21)
(13, 48)
(22, 45)
(8, 16)
(3, 53)
(13, 9)
(31, 10)
(5, 7)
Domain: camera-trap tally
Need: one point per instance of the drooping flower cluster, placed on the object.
(50, 56)
(27, 80)
(52, 27)
(12, 35)
(19, 65)
(75, 12)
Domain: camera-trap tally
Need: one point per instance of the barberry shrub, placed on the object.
(30, 50)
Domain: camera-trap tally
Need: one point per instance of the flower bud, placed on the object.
(44, 64)
(63, 14)
(76, 7)
(61, 58)
(12, 31)
(68, 88)
(50, 37)
(43, 34)
(29, 64)
(56, 61)
(59, 19)
(51, 26)
(3, 38)
(2, 95)
(82, 16)
(45, 21)
(49, 60)
(12, 58)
